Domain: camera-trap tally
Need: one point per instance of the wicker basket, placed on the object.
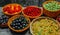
(41, 18)
(13, 13)
(33, 16)
(14, 17)
(49, 13)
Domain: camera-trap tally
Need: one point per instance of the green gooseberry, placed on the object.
(52, 6)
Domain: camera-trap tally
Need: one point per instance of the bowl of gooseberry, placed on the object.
(12, 9)
(51, 8)
(45, 26)
(3, 20)
(19, 23)
(32, 11)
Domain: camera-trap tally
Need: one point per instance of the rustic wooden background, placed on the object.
(23, 2)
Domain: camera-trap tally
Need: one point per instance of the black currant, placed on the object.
(19, 23)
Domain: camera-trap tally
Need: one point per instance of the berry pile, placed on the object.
(3, 19)
(19, 23)
(32, 11)
(12, 8)
(52, 6)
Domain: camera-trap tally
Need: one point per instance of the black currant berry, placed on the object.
(3, 19)
(19, 23)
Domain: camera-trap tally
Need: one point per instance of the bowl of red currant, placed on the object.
(12, 9)
(32, 11)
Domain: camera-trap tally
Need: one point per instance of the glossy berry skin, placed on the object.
(3, 20)
(19, 23)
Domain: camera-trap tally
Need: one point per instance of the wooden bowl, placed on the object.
(4, 25)
(50, 13)
(14, 17)
(33, 16)
(12, 8)
(40, 19)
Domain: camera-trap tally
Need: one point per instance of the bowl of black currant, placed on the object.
(3, 20)
(19, 23)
